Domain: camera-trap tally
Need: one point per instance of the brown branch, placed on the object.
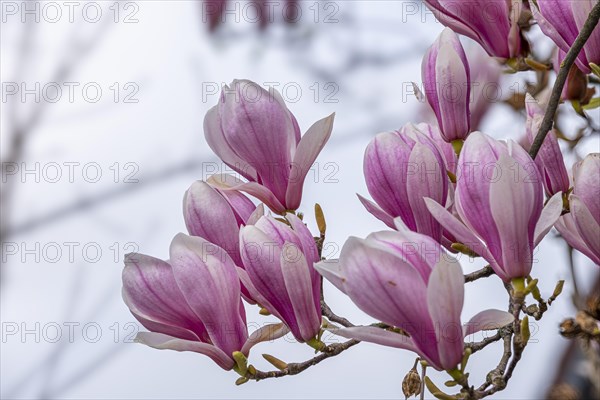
(561, 78)
(477, 346)
(295, 368)
(482, 273)
(333, 317)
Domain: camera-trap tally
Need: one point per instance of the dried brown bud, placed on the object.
(569, 328)
(411, 385)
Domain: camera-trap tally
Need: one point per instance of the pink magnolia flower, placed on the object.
(405, 280)
(278, 260)
(492, 24)
(561, 20)
(191, 302)
(549, 160)
(486, 74)
(447, 84)
(255, 134)
(401, 168)
(581, 227)
(500, 203)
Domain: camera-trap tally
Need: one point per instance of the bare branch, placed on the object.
(295, 368)
(482, 273)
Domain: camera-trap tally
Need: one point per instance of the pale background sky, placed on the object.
(368, 56)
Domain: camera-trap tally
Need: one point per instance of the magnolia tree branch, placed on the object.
(295, 368)
(561, 78)
(333, 317)
(482, 273)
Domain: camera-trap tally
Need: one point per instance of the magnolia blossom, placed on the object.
(278, 260)
(500, 204)
(401, 168)
(486, 74)
(447, 84)
(255, 134)
(191, 302)
(562, 20)
(405, 280)
(581, 227)
(549, 159)
(493, 24)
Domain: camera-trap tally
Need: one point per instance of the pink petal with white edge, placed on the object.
(332, 271)
(307, 151)
(375, 335)
(256, 295)
(432, 184)
(209, 215)
(166, 342)
(462, 233)
(215, 138)
(160, 327)
(151, 293)
(487, 320)
(261, 261)
(207, 277)
(588, 228)
(385, 286)
(513, 206)
(454, 113)
(230, 182)
(380, 336)
(256, 214)
(306, 238)
(377, 212)
(550, 214)
(445, 298)
(241, 205)
(299, 287)
(310, 252)
(568, 229)
(266, 333)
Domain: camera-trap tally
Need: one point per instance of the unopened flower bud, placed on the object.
(411, 385)
(569, 328)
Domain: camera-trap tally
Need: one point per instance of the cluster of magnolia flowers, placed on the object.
(440, 188)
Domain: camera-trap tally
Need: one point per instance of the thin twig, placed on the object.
(561, 78)
(482, 273)
(333, 317)
(477, 346)
(295, 368)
